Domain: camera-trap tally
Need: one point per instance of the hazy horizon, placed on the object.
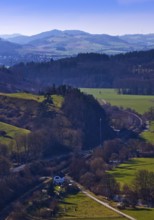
(113, 17)
(28, 35)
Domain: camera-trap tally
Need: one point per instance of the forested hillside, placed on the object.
(64, 121)
(131, 73)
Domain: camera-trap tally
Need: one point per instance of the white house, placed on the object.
(58, 180)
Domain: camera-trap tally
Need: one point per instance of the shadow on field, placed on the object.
(120, 175)
(67, 203)
(141, 209)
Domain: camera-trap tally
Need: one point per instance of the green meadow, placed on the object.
(80, 206)
(11, 133)
(125, 172)
(24, 95)
(141, 213)
(138, 103)
(57, 100)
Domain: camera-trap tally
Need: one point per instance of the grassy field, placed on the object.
(139, 103)
(11, 132)
(28, 96)
(125, 172)
(57, 100)
(82, 207)
(141, 213)
(149, 135)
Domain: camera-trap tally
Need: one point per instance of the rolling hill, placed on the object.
(133, 71)
(58, 44)
(130, 73)
(85, 41)
(8, 48)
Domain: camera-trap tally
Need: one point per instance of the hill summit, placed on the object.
(58, 44)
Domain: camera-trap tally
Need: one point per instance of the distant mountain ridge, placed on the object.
(7, 36)
(57, 44)
(8, 48)
(143, 39)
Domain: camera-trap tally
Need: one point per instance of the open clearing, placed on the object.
(125, 172)
(80, 206)
(57, 100)
(138, 103)
(24, 95)
(11, 133)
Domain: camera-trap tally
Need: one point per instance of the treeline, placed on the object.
(131, 73)
(135, 86)
(141, 188)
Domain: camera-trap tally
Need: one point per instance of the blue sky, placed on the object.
(114, 17)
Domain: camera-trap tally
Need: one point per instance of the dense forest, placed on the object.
(130, 73)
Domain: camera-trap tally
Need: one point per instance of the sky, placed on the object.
(114, 17)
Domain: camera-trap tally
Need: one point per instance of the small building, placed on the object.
(58, 180)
